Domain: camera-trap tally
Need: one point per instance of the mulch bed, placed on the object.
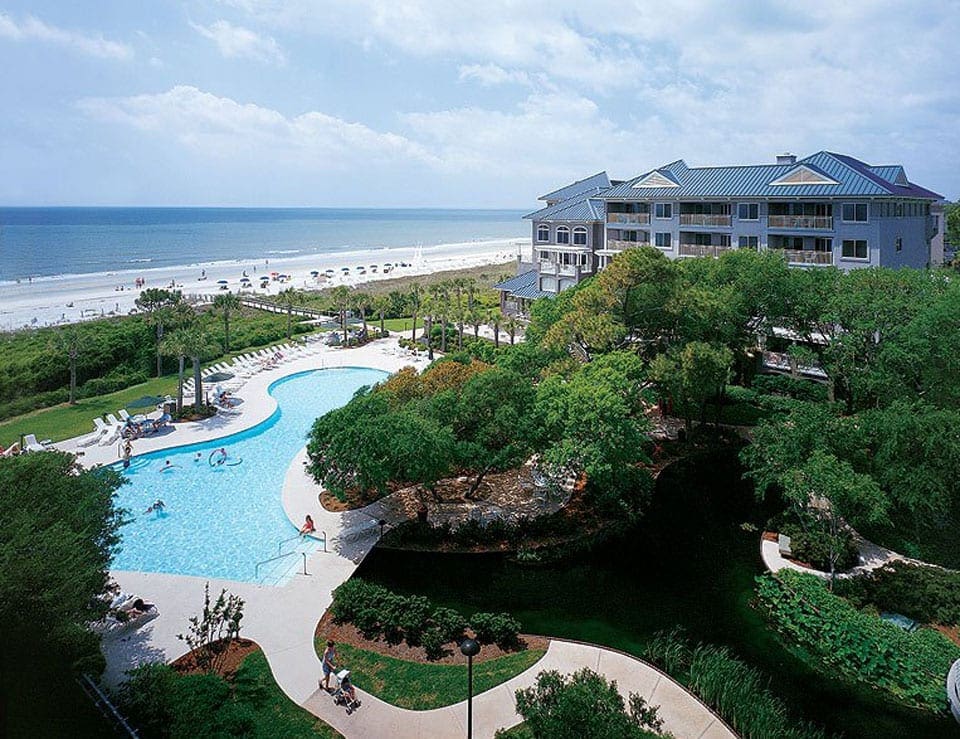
(348, 634)
(237, 651)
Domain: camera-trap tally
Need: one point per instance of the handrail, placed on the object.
(256, 570)
(104, 704)
(285, 541)
(281, 554)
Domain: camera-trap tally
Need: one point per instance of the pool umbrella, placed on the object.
(218, 377)
(147, 401)
(222, 282)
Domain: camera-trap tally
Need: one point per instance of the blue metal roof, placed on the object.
(583, 207)
(525, 285)
(854, 178)
(594, 182)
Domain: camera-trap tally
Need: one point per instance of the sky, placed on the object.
(456, 103)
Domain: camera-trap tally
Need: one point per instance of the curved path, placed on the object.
(282, 620)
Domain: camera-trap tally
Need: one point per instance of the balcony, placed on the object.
(704, 250)
(618, 245)
(824, 223)
(561, 270)
(628, 218)
(705, 219)
(806, 256)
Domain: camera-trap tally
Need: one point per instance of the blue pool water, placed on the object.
(219, 521)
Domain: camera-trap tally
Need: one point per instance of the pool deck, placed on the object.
(282, 620)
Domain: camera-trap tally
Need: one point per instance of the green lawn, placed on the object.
(399, 324)
(421, 687)
(275, 715)
(63, 421)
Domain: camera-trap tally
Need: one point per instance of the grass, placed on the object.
(423, 686)
(275, 715)
(399, 324)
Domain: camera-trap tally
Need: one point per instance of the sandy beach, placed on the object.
(50, 301)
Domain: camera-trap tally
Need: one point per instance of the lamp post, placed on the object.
(469, 648)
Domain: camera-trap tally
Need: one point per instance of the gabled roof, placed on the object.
(594, 182)
(657, 178)
(853, 178)
(587, 207)
(524, 285)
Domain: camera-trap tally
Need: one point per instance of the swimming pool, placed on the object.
(220, 520)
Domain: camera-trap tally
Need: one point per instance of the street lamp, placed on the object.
(470, 648)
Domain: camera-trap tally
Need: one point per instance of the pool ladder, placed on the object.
(281, 554)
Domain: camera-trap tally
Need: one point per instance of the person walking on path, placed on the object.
(329, 664)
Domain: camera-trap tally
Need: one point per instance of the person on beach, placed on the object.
(308, 527)
(329, 664)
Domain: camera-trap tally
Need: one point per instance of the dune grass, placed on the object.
(422, 686)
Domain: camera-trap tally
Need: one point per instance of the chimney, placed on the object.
(786, 158)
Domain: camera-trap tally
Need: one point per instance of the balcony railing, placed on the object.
(563, 270)
(703, 250)
(704, 219)
(618, 245)
(807, 256)
(821, 222)
(640, 218)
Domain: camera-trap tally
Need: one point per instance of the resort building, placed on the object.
(825, 210)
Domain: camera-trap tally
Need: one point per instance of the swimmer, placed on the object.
(168, 465)
(198, 456)
(156, 507)
(223, 456)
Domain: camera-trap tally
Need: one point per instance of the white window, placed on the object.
(855, 212)
(580, 236)
(749, 242)
(662, 240)
(855, 249)
(748, 211)
(543, 233)
(663, 210)
(563, 235)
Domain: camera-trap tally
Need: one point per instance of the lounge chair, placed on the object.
(12, 450)
(31, 444)
(124, 415)
(100, 428)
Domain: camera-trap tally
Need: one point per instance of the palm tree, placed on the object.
(177, 344)
(198, 342)
(441, 305)
(494, 318)
(415, 300)
(427, 305)
(157, 304)
(340, 295)
(380, 304)
(510, 325)
(67, 340)
(289, 298)
(361, 302)
(225, 304)
(459, 286)
(474, 317)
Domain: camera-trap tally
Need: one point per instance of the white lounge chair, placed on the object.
(123, 414)
(100, 428)
(31, 444)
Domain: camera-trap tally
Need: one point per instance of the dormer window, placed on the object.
(543, 233)
(563, 235)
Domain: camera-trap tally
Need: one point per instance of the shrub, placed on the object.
(927, 594)
(790, 387)
(433, 642)
(909, 668)
(495, 628)
(449, 623)
(813, 547)
(738, 692)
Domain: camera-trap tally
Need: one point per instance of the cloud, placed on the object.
(221, 128)
(239, 42)
(490, 75)
(32, 28)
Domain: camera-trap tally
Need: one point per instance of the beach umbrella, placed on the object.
(218, 377)
(314, 272)
(222, 282)
(147, 401)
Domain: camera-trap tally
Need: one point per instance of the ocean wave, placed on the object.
(283, 251)
(140, 260)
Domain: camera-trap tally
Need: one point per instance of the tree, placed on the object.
(693, 376)
(340, 295)
(494, 422)
(177, 344)
(361, 301)
(494, 318)
(59, 529)
(584, 704)
(414, 300)
(290, 298)
(832, 490)
(157, 304)
(68, 341)
(380, 304)
(951, 214)
(198, 343)
(212, 631)
(226, 304)
(510, 325)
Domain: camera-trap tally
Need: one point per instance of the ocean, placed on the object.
(45, 242)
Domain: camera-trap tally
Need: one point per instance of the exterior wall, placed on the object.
(916, 249)
(551, 282)
(937, 242)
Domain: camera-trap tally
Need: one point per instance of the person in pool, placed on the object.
(157, 507)
(222, 451)
(168, 465)
(198, 456)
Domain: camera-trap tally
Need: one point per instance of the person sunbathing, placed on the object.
(137, 609)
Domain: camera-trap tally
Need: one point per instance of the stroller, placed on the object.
(345, 695)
